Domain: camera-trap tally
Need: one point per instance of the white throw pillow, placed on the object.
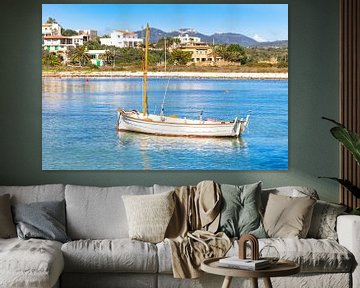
(149, 215)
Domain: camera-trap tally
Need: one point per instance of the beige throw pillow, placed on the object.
(288, 217)
(149, 215)
(7, 226)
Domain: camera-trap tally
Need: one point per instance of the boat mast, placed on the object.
(145, 102)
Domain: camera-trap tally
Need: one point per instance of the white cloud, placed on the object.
(259, 38)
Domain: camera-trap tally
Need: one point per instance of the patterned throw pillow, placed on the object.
(240, 213)
(323, 223)
(288, 217)
(149, 215)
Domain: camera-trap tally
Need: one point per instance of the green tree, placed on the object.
(78, 55)
(180, 57)
(109, 56)
(232, 53)
(94, 44)
(51, 20)
(129, 55)
(50, 59)
(220, 51)
(236, 53)
(169, 42)
(68, 32)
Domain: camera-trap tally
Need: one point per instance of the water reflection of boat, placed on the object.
(157, 143)
(143, 122)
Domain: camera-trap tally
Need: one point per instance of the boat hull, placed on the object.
(157, 125)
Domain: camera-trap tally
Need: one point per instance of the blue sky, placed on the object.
(263, 22)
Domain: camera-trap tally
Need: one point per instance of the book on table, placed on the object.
(249, 264)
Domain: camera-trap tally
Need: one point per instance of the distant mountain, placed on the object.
(217, 38)
(279, 43)
(233, 38)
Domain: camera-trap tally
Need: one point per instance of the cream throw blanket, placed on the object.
(191, 231)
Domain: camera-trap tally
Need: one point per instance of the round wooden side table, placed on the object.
(281, 268)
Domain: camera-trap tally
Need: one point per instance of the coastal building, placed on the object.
(188, 39)
(50, 29)
(122, 38)
(88, 32)
(201, 52)
(60, 43)
(95, 56)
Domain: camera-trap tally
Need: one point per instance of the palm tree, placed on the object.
(50, 59)
(78, 55)
(108, 56)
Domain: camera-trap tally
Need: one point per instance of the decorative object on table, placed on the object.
(241, 261)
(254, 246)
(282, 268)
(351, 142)
(247, 264)
(269, 253)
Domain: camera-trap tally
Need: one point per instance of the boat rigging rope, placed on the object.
(163, 102)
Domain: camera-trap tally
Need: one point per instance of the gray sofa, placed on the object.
(101, 254)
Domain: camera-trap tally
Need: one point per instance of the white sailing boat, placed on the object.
(143, 122)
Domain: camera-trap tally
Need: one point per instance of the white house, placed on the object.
(88, 32)
(50, 29)
(122, 38)
(188, 39)
(60, 44)
(95, 56)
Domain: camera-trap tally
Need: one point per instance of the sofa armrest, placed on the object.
(348, 230)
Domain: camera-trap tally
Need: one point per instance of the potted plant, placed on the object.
(351, 141)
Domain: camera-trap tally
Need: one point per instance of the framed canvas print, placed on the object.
(164, 86)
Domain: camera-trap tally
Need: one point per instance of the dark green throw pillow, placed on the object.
(240, 213)
(43, 220)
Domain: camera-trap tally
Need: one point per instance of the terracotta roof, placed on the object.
(56, 37)
(125, 32)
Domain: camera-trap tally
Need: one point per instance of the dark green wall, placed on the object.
(313, 92)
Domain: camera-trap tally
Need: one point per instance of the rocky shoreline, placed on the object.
(125, 74)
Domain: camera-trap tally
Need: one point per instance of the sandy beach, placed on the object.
(119, 74)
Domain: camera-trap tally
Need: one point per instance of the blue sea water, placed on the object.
(79, 118)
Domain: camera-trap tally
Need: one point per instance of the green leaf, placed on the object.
(347, 184)
(348, 138)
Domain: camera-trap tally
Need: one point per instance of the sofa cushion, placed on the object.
(323, 222)
(240, 210)
(98, 213)
(313, 255)
(149, 215)
(287, 216)
(30, 263)
(36, 193)
(291, 191)
(117, 255)
(7, 226)
(43, 220)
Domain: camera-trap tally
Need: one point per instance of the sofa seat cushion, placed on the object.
(313, 255)
(115, 255)
(30, 263)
